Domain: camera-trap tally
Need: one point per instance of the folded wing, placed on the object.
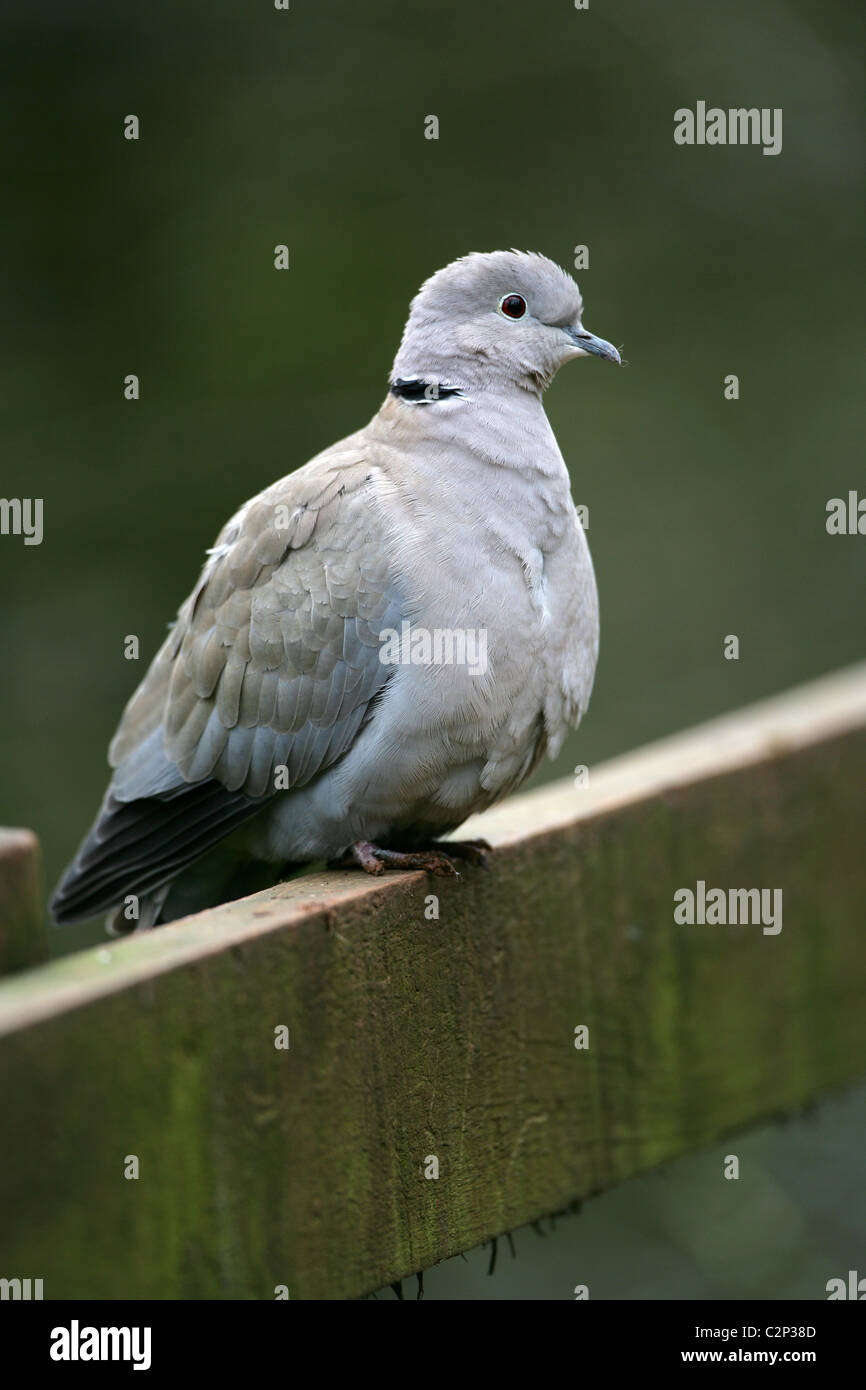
(273, 663)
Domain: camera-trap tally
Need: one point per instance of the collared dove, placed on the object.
(271, 729)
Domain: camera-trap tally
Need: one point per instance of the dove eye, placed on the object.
(513, 306)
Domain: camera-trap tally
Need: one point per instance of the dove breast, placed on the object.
(485, 551)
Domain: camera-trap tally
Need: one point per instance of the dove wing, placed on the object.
(273, 662)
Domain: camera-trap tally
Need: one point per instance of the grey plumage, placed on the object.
(449, 512)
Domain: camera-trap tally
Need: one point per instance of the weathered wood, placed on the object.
(22, 931)
(413, 1037)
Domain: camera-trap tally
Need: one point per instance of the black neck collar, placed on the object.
(421, 392)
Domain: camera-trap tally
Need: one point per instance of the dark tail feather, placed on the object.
(135, 847)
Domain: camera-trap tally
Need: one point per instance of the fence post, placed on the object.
(23, 940)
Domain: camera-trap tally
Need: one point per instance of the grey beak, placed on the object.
(587, 342)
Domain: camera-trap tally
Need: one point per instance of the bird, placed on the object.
(273, 729)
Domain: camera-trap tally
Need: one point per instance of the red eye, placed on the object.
(513, 306)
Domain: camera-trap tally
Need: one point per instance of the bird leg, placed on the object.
(373, 859)
(435, 857)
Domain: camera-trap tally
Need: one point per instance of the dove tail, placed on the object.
(136, 848)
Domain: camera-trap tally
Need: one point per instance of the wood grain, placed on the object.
(414, 1037)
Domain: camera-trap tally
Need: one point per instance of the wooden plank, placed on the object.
(22, 929)
(452, 1038)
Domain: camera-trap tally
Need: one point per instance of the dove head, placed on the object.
(492, 320)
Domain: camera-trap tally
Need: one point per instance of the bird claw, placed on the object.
(474, 852)
(436, 857)
(373, 859)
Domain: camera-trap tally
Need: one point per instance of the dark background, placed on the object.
(259, 127)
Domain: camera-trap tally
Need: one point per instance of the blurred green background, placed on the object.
(306, 127)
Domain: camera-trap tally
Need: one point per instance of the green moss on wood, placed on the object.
(453, 1037)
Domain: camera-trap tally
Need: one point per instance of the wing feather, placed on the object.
(273, 661)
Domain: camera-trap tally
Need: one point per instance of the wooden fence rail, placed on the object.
(421, 1044)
